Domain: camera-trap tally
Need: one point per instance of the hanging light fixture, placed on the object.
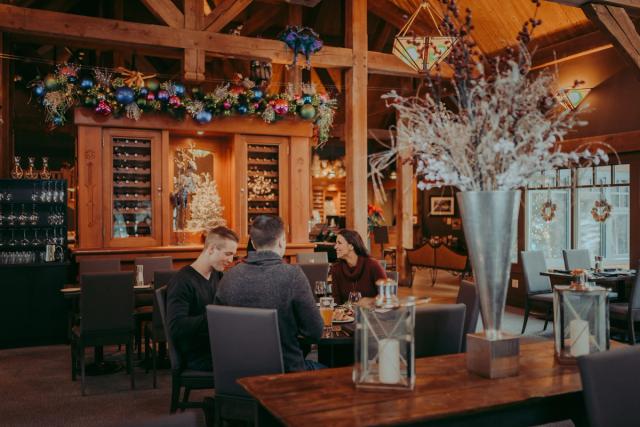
(422, 52)
(573, 97)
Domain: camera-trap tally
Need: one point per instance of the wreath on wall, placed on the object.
(601, 210)
(548, 210)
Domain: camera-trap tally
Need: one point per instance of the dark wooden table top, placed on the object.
(444, 388)
(75, 291)
(603, 279)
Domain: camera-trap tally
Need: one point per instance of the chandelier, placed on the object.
(422, 52)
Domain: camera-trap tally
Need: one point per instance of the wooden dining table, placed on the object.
(445, 394)
(618, 280)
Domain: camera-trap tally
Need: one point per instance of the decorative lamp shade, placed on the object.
(384, 345)
(572, 98)
(580, 321)
(422, 53)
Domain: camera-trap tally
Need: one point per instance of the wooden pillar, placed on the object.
(356, 117)
(293, 74)
(6, 146)
(404, 203)
(193, 61)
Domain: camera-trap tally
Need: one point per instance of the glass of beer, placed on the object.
(326, 311)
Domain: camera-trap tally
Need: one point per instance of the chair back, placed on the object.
(106, 302)
(153, 264)
(634, 297)
(160, 295)
(533, 264)
(576, 258)
(160, 279)
(234, 333)
(610, 386)
(468, 295)
(393, 275)
(100, 265)
(315, 272)
(439, 329)
(312, 258)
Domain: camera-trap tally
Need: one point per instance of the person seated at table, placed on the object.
(265, 281)
(355, 270)
(189, 292)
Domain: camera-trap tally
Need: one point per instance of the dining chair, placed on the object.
(106, 318)
(235, 332)
(576, 258)
(154, 331)
(628, 312)
(538, 288)
(315, 272)
(188, 379)
(312, 258)
(98, 265)
(468, 295)
(610, 386)
(144, 302)
(439, 329)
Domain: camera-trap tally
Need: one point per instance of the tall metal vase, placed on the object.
(490, 221)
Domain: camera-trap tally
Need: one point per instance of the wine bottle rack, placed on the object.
(263, 180)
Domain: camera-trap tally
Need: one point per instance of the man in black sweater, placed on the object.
(263, 280)
(190, 291)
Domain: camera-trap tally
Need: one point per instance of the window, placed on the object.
(574, 193)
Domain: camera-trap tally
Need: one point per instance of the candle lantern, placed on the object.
(384, 342)
(580, 321)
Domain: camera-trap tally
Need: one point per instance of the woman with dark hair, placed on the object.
(355, 270)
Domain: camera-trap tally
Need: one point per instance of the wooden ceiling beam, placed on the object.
(394, 15)
(615, 22)
(166, 12)
(259, 22)
(226, 12)
(567, 50)
(382, 37)
(631, 4)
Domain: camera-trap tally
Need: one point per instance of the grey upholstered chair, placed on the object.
(439, 329)
(610, 386)
(468, 295)
(98, 265)
(628, 312)
(144, 302)
(235, 332)
(106, 318)
(538, 287)
(312, 258)
(189, 379)
(576, 258)
(154, 331)
(315, 272)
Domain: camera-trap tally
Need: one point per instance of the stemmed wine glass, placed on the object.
(43, 193)
(12, 241)
(34, 217)
(354, 297)
(2, 217)
(320, 288)
(23, 218)
(11, 218)
(24, 241)
(49, 192)
(35, 241)
(35, 195)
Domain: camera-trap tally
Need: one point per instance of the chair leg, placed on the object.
(631, 333)
(74, 362)
(185, 398)
(154, 358)
(218, 413)
(81, 351)
(546, 319)
(146, 353)
(138, 341)
(175, 395)
(130, 363)
(526, 315)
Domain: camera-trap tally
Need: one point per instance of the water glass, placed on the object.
(320, 288)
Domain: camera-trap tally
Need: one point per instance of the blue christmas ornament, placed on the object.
(257, 94)
(307, 99)
(203, 117)
(143, 91)
(57, 121)
(179, 89)
(38, 90)
(242, 109)
(125, 95)
(163, 95)
(86, 83)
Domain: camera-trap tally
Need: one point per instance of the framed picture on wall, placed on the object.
(441, 205)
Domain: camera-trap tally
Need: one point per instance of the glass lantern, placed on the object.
(384, 345)
(580, 321)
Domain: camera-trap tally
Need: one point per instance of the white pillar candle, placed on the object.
(579, 337)
(389, 361)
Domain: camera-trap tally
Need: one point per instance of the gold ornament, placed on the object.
(133, 78)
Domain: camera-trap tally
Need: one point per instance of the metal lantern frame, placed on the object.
(571, 98)
(422, 53)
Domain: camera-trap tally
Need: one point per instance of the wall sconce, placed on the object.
(393, 175)
(572, 98)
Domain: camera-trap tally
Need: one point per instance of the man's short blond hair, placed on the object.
(217, 234)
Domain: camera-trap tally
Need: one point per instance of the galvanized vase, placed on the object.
(490, 221)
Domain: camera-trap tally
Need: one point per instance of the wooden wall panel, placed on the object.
(89, 208)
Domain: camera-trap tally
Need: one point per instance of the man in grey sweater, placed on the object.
(263, 280)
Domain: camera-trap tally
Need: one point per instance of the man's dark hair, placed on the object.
(218, 233)
(265, 231)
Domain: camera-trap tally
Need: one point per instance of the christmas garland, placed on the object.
(132, 94)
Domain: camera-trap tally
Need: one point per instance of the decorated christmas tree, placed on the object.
(206, 210)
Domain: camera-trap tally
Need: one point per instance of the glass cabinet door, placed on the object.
(133, 172)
